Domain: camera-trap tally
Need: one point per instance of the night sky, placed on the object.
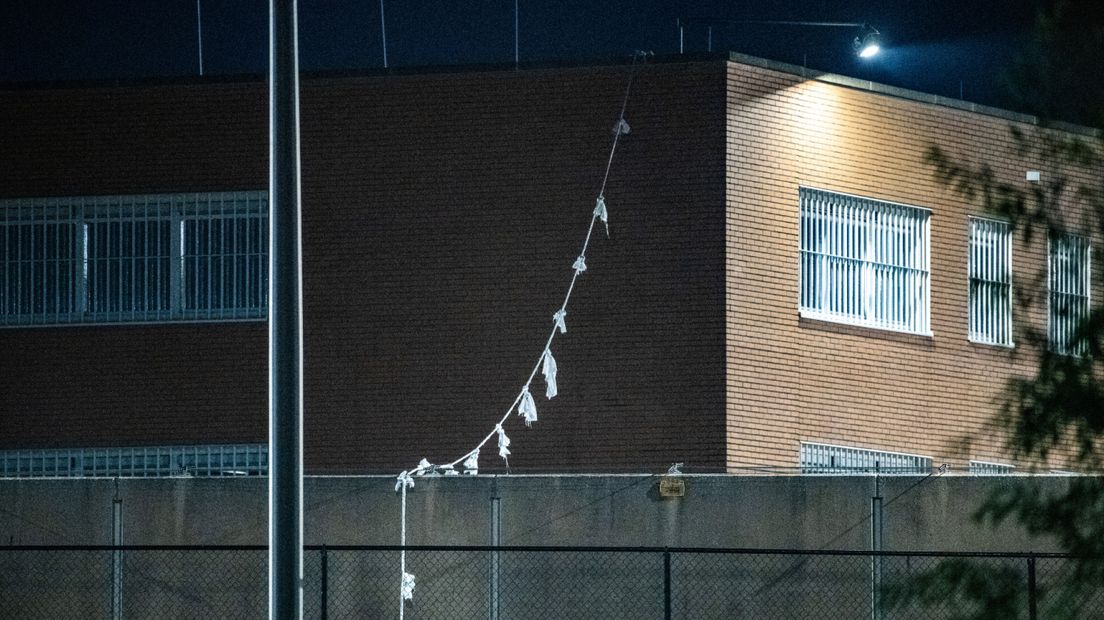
(945, 47)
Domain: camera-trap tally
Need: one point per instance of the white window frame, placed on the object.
(134, 259)
(989, 275)
(1068, 294)
(827, 458)
(990, 468)
(864, 262)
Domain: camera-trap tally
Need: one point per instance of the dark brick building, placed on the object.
(441, 216)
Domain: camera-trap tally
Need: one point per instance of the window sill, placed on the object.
(818, 317)
(997, 345)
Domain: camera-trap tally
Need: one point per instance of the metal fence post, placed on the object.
(496, 540)
(666, 584)
(876, 547)
(325, 585)
(116, 555)
(1032, 599)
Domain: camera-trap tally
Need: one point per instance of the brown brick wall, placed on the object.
(131, 140)
(114, 385)
(441, 217)
(792, 379)
(133, 385)
(459, 220)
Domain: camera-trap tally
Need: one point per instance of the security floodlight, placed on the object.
(868, 43)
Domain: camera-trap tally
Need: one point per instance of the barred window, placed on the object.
(225, 260)
(1068, 281)
(822, 458)
(987, 468)
(137, 462)
(38, 263)
(990, 271)
(864, 262)
(126, 264)
(164, 257)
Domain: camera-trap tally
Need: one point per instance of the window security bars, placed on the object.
(166, 257)
(819, 458)
(985, 468)
(137, 462)
(1068, 282)
(990, 270)
(864, 262)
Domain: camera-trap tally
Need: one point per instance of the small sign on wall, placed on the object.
(670, 486)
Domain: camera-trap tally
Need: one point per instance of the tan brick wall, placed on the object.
(791, 379)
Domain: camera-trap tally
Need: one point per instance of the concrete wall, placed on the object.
(800, 512)
(717, 511)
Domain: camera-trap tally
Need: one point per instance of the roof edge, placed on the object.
(905, 93)
(178, 80)
(602, 61)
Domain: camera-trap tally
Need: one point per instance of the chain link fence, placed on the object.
(547, 582)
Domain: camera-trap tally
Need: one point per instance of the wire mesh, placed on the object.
(195, 584)
(548, 582)
(56, 584)
(748, 585)
(1070, 589)
(932, 587)
(573, 584)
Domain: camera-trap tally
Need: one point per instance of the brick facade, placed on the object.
(792, 379)
(442, 213)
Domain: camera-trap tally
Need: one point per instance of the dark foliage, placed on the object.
(1059, 411)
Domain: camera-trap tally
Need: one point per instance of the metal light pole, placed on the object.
(383, 34)
(199, 35)
(285, 322)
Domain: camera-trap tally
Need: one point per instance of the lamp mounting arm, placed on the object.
(773, 22)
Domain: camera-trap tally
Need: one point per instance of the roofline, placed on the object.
(603, 61)
(175, 80)
(904, 93)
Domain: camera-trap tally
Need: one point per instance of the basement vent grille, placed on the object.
(137, 462)
(984, 468)
(819, 458)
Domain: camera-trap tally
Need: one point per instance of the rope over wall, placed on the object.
(524, 403)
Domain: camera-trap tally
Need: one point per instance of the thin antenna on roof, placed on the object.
(516, 34)
(383, 33)
(678, 24)
(710, 31)
(199, 34)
